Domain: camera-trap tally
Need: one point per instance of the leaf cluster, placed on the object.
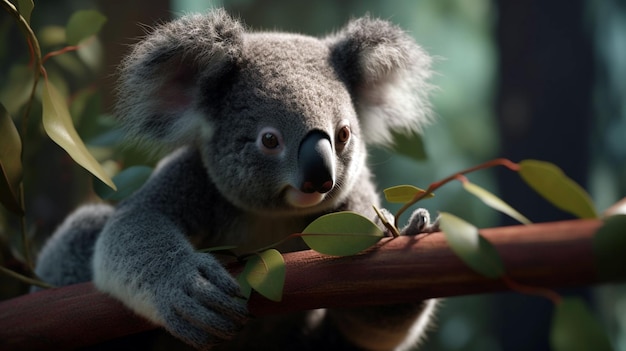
(24, 91)
(56, 119)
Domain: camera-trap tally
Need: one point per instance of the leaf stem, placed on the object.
(59, 52)
(390, 227)
(35, 52)
(24, 278)
(24, 231)
(532, 290)
(461, 178)
(64, 50)
(436, 185)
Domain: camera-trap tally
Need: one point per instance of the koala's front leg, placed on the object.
(144, 260)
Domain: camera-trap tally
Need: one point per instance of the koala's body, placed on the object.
(268, 132)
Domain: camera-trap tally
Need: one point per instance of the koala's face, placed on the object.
(284, 132)
(281, 119)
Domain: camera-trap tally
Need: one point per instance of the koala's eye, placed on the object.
(343, 135)
(270, 141)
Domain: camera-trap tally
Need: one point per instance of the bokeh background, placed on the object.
(517, 79)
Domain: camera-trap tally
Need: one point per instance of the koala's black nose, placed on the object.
(316, 163)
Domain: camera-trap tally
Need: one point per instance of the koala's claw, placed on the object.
(420, 223)
(202, 306)
(192, 326)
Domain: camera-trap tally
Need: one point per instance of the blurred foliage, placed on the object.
(48, 94)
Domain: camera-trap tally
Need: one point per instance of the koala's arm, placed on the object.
(144, 259)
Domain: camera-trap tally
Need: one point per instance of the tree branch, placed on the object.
(551, 255)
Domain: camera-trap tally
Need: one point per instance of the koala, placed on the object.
(266, 131)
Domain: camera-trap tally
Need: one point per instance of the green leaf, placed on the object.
(574, 329)
(341, 234)
(127, 182)
(404, 193)
(494, 202)
(83, 24)
(52, 36)
(470, 246)
(609, 248)
(10, 163)
(92, 55)
(110, 137)
(80, 101)
(70, 64)
(410, 145)
(265, 273)
(550, 182)
(25, 8)
(16, 90)
(59, 127)
(244, 286)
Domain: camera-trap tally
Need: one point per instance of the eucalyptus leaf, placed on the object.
(51, 36)
(495, 202)
(10, 163)
(467, 243)
(16, 90)
(404, 193)
(7, 197)
(244, 286)
(92, 54)
(83, 24)
(127, 182)
(57, 123)
(609, 249)
(341, 234)
(71, 64)
(550, 182)
(574, 329)
(410, 145)
(108, 138)
(265, 273)
(25, 8)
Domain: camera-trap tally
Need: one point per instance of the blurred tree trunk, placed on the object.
(127, 23)
(544, 106)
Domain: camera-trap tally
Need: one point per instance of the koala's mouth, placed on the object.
(299, 199)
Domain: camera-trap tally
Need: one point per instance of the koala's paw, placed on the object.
(419, 222)
(200, 302)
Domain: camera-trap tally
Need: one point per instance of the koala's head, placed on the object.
(281, 120)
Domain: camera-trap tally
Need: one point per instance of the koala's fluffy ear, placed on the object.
(165, 82)
(387, 74)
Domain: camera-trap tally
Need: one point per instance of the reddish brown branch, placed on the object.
(548, 255)
(438, 184)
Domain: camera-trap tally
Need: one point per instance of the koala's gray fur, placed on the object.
(268, 131)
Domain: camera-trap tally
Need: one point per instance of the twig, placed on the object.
(436, 185)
